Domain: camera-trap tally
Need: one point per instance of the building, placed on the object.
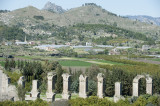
(145, 48)
(114, 52)
(22, 43)
(88, 44)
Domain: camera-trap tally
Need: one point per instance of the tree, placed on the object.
(21, 92)
(13, 63)
(6, 64)
(59, 83)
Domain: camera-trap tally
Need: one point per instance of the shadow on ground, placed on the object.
(60, 103)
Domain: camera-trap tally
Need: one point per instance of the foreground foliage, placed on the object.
(95, 101)
(38, 102)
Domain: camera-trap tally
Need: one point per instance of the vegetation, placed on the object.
(74, 63)
(93, 30)
(38, 102)
(144, 100)
(38, 17)
(11, 33)
(4, 11)
(21, 92)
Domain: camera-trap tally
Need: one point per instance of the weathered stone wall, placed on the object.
(100, 85)
(7, 91)
(21, 81)
(51, 85)
(118, 92)
(136, 84)
(66, 86)
(83, 86)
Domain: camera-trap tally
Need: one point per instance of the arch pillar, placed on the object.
(66, 86)
(83, 86)
(51, 84)
(136, 84)
(100, 85)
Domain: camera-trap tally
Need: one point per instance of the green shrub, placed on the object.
(75, 86)
(14, 76)
(38, 102)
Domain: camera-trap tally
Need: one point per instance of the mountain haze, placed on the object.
(147, 19)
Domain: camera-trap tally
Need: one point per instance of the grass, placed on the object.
(154, 50)
(109, 62)
(58, 96)
(74, 63)
(2, 63)
(74, 96)
(91, 61)
(156, 59)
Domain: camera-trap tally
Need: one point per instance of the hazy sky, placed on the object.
(120, 7)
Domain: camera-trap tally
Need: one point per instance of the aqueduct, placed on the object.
(83, 87)
(136, 84)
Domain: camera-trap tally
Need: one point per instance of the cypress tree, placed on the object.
(6, 64)
(59, 83)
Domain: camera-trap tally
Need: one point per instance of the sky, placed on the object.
(119, 7)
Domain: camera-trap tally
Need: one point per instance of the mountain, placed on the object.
(146, 19)
(53, 8)
(30, 17)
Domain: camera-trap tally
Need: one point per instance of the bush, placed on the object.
(91, 101)
(39, 17)
(38, 102)
(21, 92)
(92, 88)
(75, 86)
(14, 76)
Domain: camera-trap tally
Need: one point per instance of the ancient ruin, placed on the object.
(7, 91)
(83, 86)
(66, 86)
(100, 85)
(21, 81)
(51, 85)
(34, 94)
(136, 84)
(118, 92)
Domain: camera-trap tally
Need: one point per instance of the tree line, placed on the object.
(37, 70)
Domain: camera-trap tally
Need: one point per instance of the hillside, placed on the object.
(147, 19)
(90, 14)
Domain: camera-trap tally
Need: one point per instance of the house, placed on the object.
(114, 52)
(145, 47)
(88, 44)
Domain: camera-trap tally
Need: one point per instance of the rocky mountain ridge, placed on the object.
(53, 8)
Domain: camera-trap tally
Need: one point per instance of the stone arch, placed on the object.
(136, 83)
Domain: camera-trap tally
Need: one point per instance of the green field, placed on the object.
(2, 63)
(74, 63)
(155, 59)
(67, 61)
(109, 62)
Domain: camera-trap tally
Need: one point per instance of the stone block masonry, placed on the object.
(66, 86)
(51, 85)
(83, 86)
(100, 85)
(136, 84)
(7, 91)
